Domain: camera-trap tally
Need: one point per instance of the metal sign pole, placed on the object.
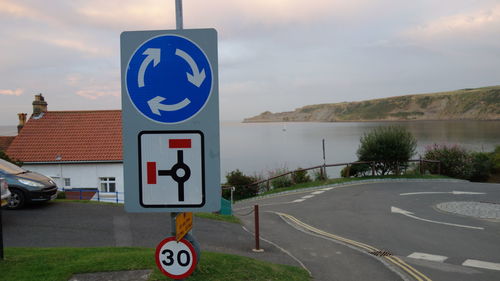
(178, 14)
(178, 25)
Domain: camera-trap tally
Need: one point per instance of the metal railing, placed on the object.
(94, 195)
(322, 169)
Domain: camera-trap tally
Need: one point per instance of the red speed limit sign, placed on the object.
(176, 260)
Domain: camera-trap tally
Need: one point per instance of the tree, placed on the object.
(241, 184)
(389, 147)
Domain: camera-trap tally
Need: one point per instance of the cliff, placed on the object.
(465, 104)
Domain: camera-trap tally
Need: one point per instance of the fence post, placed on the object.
(267, 185)
(117, 197)
(80, 194)
(98, 196)
(421, 168)
(257, 230)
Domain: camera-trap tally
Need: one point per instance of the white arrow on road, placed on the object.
(452, 192)
(410, 214)
(155, 105)
(153, 55)
(197, 77)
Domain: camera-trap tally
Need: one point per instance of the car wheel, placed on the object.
(17, 199)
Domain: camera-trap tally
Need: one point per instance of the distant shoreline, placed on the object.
(376, 121)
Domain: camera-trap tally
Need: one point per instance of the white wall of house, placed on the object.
(81, 175)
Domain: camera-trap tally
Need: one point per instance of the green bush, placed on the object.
(241, 184)
(61, 195)
(482, 166)
(300, 176)
(320, 176)
(356, 170)
(389, 147)
(284, 181)
(456, 161)
(495, 160)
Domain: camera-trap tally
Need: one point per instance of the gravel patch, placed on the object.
(472, 209)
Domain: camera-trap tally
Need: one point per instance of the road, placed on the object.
(332, 230)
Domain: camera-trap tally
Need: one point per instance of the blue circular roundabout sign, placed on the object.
(169, 79)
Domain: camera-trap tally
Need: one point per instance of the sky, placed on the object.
(274, 55)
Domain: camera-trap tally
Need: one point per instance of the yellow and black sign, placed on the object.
(183, 224)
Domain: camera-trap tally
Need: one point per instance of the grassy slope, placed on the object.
(480, 103)
(54, 264)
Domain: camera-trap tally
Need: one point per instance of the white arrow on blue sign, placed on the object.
(169, 79)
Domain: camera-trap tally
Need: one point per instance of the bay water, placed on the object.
(259, 148)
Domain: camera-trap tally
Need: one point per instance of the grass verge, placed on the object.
(59, 264)
(346, 180)
(218, 217)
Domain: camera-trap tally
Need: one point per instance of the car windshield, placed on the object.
(11, 168)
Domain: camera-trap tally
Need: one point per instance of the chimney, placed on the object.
(39, 105)
(22, 121)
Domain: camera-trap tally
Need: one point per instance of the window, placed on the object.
(67, 181)
(108, 184)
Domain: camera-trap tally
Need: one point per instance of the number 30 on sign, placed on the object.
(176, 260)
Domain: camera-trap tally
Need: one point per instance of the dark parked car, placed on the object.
(5, 193)
(26, 186)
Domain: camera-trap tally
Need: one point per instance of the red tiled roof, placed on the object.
(74, 135)
(5, 142)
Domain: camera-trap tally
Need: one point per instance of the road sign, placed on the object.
(169, 78)
(171, 163)
(170, 100)
(176, 260)
(183, 224)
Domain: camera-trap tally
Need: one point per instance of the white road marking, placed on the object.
(428, 257)
(452, 192)
(482, 264)
(318, 192)
(410, 214)
(298, 200)
(326, 189)
(307, 196)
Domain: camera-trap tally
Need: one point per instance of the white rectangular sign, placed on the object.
(171, 169)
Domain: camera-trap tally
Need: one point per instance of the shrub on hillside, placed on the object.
(241, 184)
(300, 176)
(482, 166)
(283, 181)
(495, 160)
(456, 161)
(389, 147)
(356, 170)
(320, 174)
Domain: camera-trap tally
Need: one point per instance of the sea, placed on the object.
(258, 149)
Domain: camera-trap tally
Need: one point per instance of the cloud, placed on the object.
(479, 27)
(79, 46)
(16, 92)
(95, 94)
(120, 14)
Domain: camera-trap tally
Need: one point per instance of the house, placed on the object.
(78, 149)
